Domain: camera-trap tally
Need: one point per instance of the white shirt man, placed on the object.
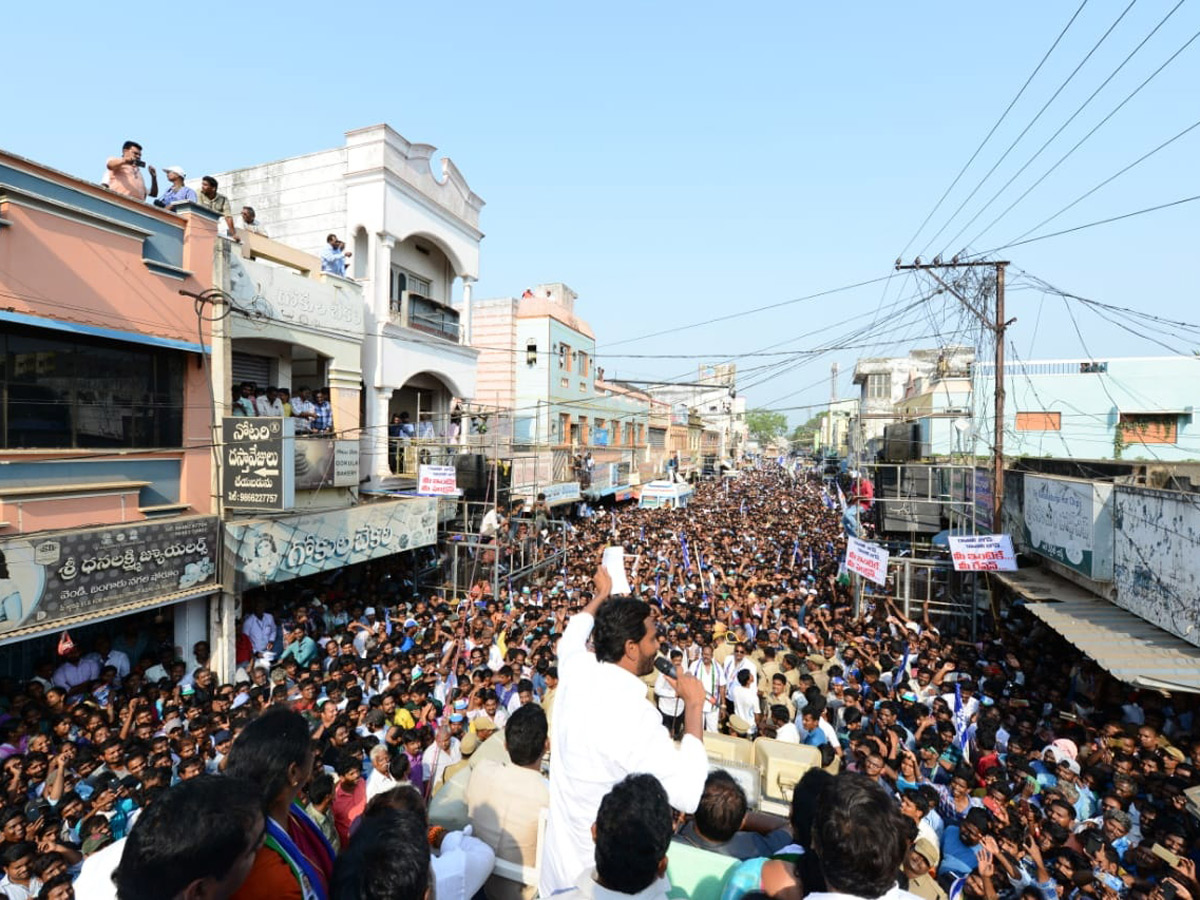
(712, 676)
(603, 730)
(259, 627)
(114, 658)
(267, 407)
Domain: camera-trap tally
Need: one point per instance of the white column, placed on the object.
(465, 322)
(373, 446)
(191, 625)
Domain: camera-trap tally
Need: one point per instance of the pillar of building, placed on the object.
(465, 321)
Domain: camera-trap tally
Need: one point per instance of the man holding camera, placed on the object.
(124, 173)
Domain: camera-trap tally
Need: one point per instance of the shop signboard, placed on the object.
(437, 480)
(83, 574)
(1070, 521)
(983, 553)
(257, 465)
(867, 559)
(322, 462)
(282, 549)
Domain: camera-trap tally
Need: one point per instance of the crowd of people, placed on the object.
(383, 741)
(310, 410)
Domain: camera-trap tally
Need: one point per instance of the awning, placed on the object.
(108, 612)
(1125, 645)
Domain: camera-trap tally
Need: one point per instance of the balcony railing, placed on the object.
(422, 314)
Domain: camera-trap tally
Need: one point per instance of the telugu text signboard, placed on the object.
(258, 462)
(867, 559)
(983, 553)
(984, 499)
(437, 480)
(67, 575)
(1070, 521)
(283, 549)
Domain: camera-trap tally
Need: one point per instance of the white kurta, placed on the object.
(604, 729)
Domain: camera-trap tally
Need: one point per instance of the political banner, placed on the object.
(867, 559)
(983, 553)
(437, 480)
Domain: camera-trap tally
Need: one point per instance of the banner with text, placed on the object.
(867, 559)
(65, 575)
(437, 480)
(983, 553)
(284, 549)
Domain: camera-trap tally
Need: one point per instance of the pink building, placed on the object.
(106, 465)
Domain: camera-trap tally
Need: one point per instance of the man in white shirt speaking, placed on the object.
(605, 728)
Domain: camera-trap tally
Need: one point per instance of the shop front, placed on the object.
(56, 581)
(269, 551)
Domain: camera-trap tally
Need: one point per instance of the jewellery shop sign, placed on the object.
(50, 578)
(258, 465)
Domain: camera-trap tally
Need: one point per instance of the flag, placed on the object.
(960, 720)
(903, 670)
(642, 534)
(841, 497)
(743, 510)
(687, 560)
(826, 499)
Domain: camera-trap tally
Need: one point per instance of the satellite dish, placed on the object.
(962, 426)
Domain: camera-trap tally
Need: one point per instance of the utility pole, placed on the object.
(998, 326)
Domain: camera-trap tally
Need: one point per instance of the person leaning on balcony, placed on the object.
(250, 222)
(334, 256)
(323, 418)
(285, 402)
(123, 174)
(269, 403)
(178, 192)
(218, 203)
(304, 411)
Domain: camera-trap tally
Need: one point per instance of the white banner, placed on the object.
(437, 480)
(867, 559)
(983, 553)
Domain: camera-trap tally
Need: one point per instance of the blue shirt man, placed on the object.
(324, 419)
(334, 256)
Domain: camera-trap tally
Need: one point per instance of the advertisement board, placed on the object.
(1156, 569)
(257, 467)
(983, 553)
(1070, 521)
(280, 550)
(322, 462)
(867, 559)
(65, 575)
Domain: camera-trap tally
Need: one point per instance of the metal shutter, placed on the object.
(247, 367)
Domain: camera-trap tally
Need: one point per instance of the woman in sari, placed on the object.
(296, 860)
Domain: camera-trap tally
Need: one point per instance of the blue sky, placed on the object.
(679, 162)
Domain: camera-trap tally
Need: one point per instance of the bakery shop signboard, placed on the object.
(323, 462)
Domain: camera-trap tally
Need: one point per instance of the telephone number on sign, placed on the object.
(248, 497)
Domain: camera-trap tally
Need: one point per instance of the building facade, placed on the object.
(1131, 408)
(413, 239)
(106, 416)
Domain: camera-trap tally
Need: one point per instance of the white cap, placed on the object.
(178, 170)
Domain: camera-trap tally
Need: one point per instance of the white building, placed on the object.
(714, 398)
(414, 238)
